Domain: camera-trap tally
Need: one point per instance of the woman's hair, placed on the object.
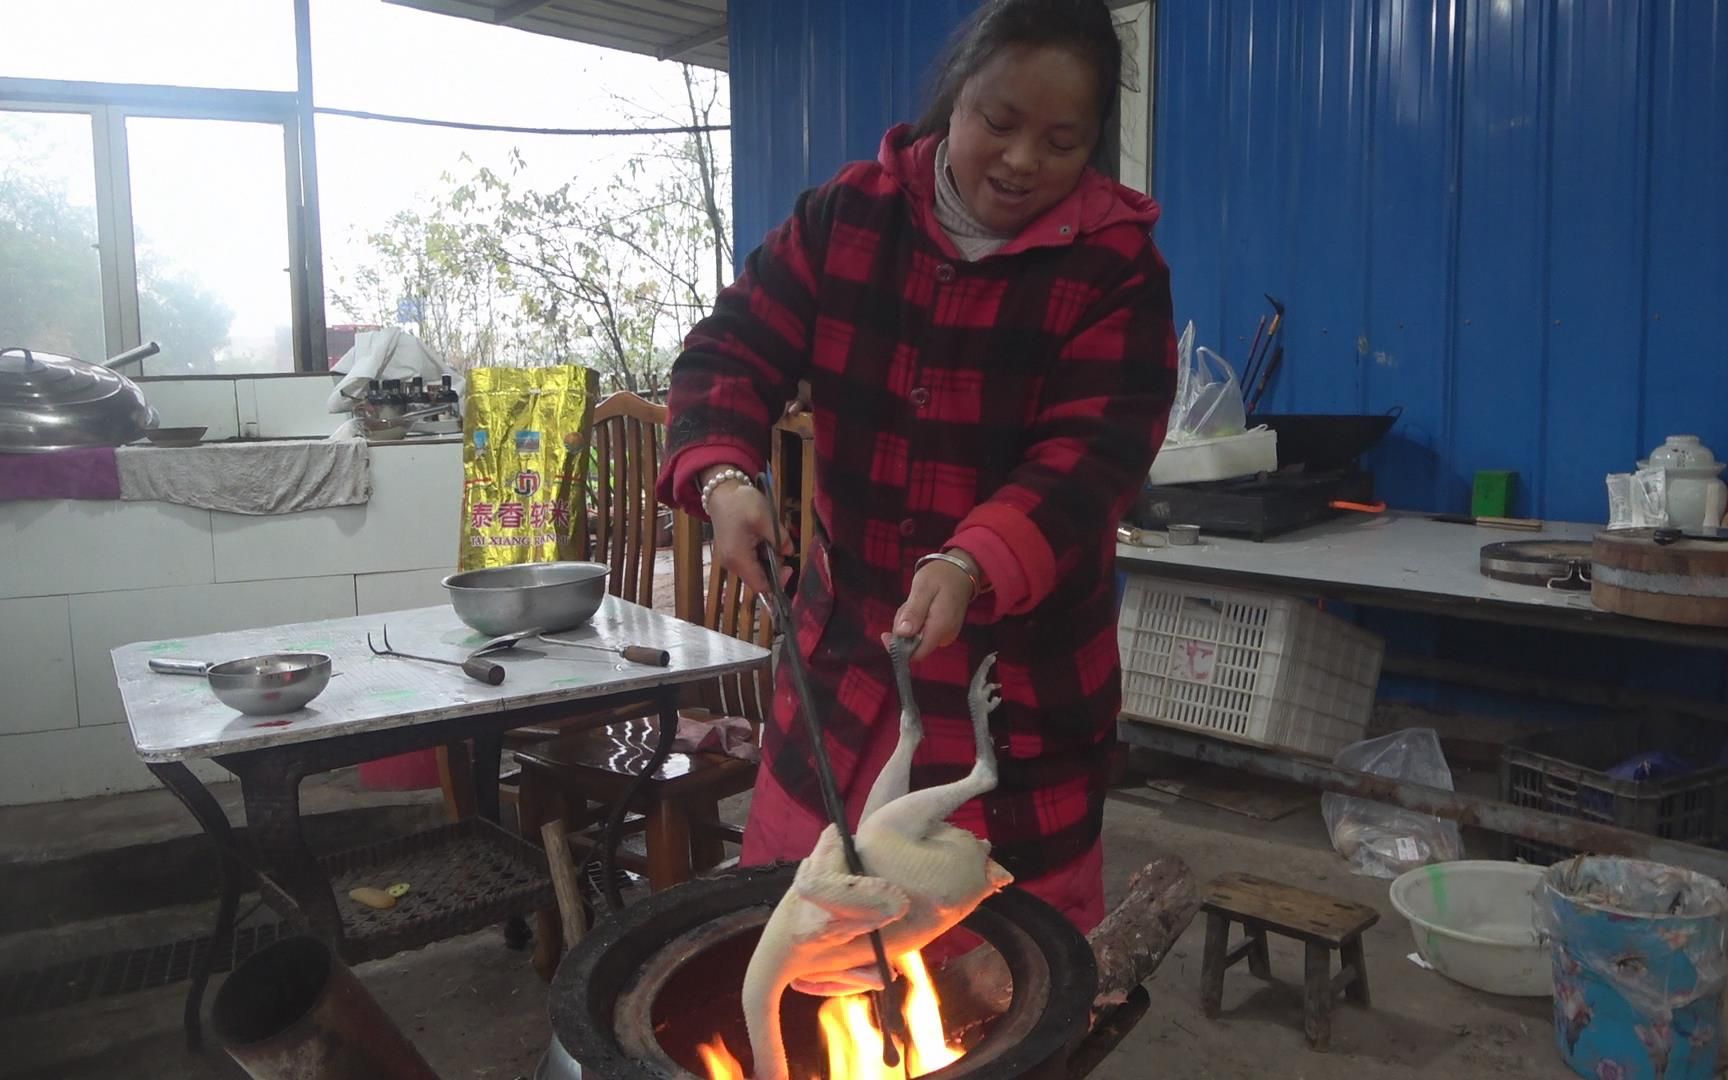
(1083, 27)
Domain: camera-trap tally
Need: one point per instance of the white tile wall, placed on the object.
(189, 402)
(47, 766)
(410, 524)
(80, 578)
(269, 408)
(399, 591)
(36, 665)
(289, 408)
(104, 621)
(75, 546)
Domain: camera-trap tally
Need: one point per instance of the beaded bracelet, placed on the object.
(719, 478)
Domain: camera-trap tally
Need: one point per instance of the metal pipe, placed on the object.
(294, 1010)
(134, 355)
(1490, 814)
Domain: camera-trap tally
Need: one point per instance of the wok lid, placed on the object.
(53, 402)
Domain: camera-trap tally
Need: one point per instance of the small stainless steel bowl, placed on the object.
(259, 685)
(533, 596)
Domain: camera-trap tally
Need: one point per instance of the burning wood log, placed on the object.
(1134, 939)
(1128, 946)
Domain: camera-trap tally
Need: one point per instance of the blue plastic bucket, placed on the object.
(1638, 968)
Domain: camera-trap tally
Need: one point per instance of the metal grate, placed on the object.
(463, 877)
(124, 972)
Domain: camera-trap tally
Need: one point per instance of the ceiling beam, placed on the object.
(677, 50)
(511, 12)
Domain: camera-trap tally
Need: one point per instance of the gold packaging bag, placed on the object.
(524, 463)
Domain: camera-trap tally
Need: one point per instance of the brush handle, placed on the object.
(642, 654)
(179, 667)
(1522, 524)
(483, 670)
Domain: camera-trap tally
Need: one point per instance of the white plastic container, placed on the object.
(1224, 458)
(1267, 669)
(1475, 922)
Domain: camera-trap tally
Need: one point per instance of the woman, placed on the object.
(985, 328)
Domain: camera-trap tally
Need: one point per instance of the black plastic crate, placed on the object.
(1566, 772)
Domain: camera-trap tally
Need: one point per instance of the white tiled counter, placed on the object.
(80, 578)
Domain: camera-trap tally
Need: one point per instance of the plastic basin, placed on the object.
(1475, 922)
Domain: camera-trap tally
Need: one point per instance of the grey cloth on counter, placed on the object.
(249, 477)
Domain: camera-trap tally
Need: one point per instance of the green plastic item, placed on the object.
(1491, 495)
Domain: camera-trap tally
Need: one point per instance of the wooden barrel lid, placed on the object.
(1685, 581)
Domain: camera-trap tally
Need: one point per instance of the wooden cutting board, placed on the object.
(1682, 582)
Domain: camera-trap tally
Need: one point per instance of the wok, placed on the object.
(1322, 443)
(52, 402)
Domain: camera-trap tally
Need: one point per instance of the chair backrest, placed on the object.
(710, 595)
(628, 434)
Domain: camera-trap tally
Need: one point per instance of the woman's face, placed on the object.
(1021, 134)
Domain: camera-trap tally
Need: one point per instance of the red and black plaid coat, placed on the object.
(1009, 406)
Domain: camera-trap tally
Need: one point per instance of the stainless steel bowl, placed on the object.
(532, 596)
(259, 685)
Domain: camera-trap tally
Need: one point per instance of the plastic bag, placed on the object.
(524, 463)
(1385, 841)
(1208, 403)
(1638, 500)
(390, 353)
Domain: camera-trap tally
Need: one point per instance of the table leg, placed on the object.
(176, 777)
(270, 787)
(488, 756)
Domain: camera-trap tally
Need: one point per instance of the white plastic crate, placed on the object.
(1268, 669)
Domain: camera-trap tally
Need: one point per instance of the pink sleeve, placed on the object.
(687, 466)
(1009, 588)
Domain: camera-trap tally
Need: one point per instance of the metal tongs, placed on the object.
(887, 1006)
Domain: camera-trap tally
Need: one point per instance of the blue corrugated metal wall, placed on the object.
(1507, 217)
(1511, 218)
(815, 84)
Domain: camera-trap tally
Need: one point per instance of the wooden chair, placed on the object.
(629, 434)
(580, 776)
(618, 525)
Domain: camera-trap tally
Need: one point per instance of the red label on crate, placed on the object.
(1193, 661)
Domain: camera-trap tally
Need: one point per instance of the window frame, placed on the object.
(109, 106)
(1140, 17)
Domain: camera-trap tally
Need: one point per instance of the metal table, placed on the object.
(1410, 563)
(376, 707)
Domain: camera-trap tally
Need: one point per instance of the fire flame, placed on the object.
(718, 1060)
(854, 1042)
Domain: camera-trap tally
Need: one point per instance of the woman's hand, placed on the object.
(743, 522)
(935, 609)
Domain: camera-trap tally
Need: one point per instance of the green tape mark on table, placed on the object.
(572, 681)
(311, 645)
(160, 647)
(395, 695)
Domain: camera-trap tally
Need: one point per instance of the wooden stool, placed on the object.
(1321, 923)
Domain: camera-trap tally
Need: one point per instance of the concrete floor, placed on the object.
(477, 1011)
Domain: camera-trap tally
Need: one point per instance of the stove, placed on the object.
(1255, 507)
(636, 996)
